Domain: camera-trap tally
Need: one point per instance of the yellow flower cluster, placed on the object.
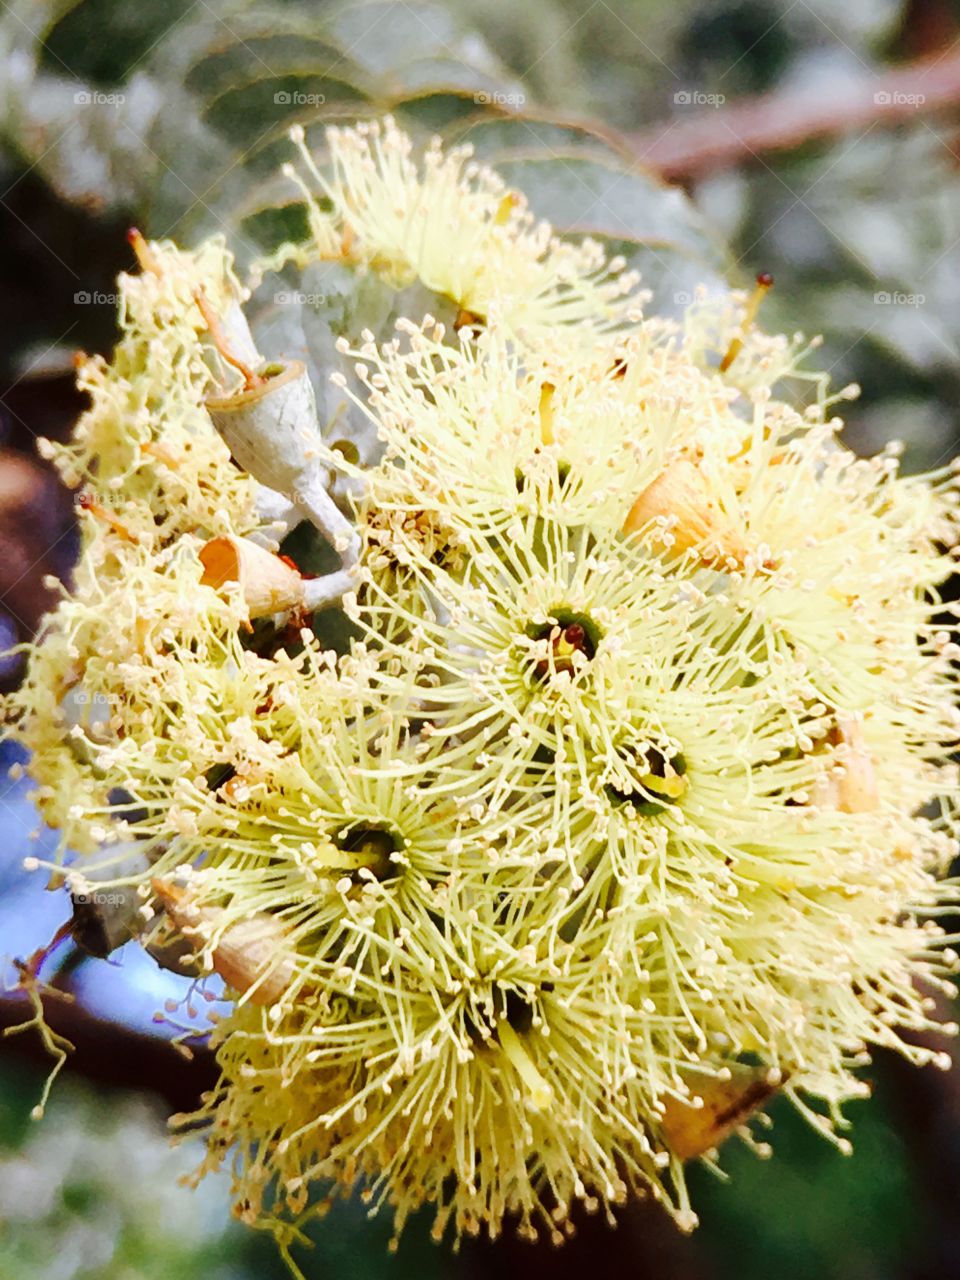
(625, 803)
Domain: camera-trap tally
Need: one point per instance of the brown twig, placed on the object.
(251, 379)
(109, 1054)
(146, 258)
(716, 138)
(87, 502)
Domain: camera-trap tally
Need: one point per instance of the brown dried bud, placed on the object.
(268, 584)
(252, 955)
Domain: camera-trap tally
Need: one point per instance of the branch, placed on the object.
(722, 136)
(109, 1054)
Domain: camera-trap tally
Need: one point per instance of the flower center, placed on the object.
(662, 780)
(374, 844)
(573, 639)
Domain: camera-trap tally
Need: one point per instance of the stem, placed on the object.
(713, 139)
(323, 512)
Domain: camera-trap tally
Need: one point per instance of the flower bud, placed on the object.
(268, 584)
(680, 495)
(851, 786)
(251, 955)
(721, 1104)
(272, 429)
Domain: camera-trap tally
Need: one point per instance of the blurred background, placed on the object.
(705, 140)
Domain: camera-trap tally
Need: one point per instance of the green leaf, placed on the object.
(586, 184)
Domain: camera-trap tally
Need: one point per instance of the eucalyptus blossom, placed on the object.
(626, 804)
